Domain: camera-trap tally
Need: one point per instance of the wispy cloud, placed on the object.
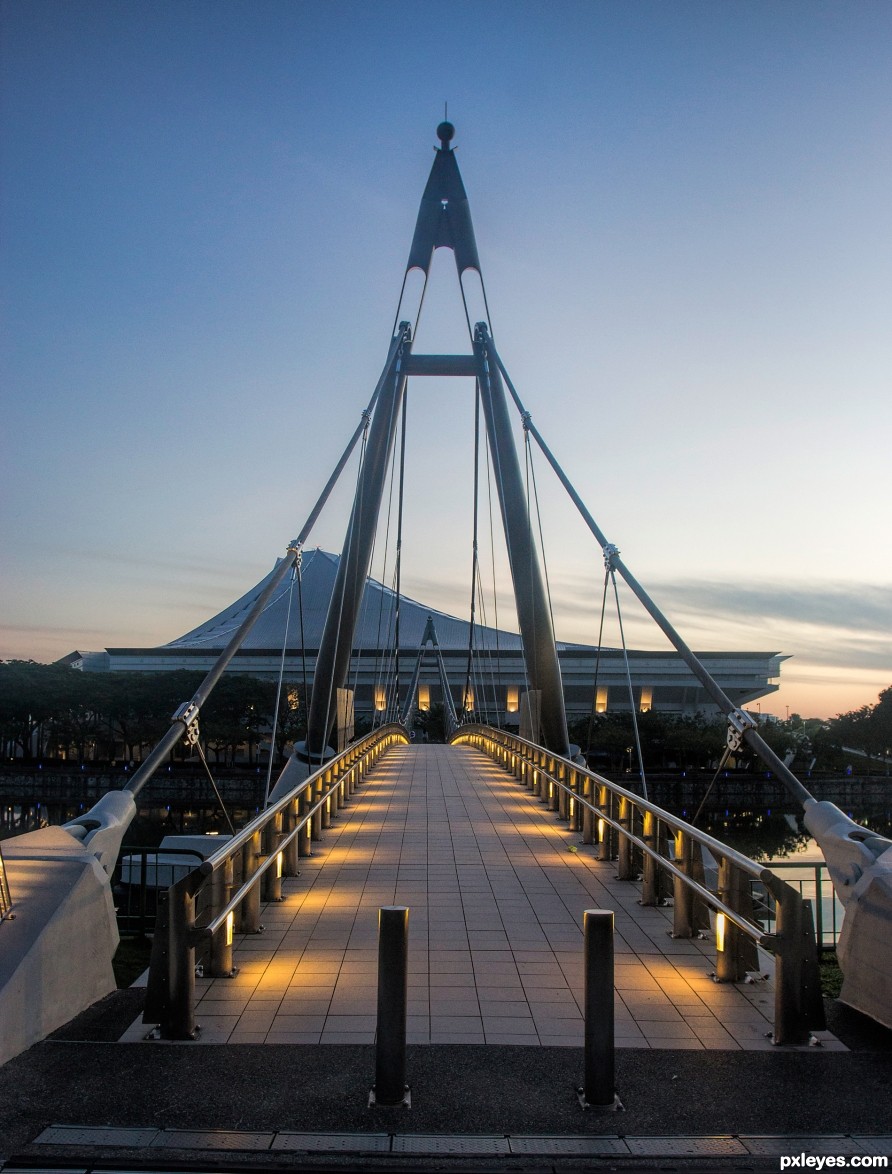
(854, 607)
(829, 623)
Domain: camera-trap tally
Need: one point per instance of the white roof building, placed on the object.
(660, 680)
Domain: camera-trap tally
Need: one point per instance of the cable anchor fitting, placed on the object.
(188, 715)
(738, 723)
(527, 421)
(611, 553)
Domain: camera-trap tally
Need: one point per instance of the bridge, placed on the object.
(497, 842)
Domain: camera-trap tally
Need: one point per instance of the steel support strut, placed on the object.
(336, 645)
(533, 612)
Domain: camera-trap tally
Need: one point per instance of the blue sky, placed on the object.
(682, 216)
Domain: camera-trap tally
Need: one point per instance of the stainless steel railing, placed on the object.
(638, 834)
(196, 918)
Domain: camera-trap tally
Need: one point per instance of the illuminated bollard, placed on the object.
(390, 1086)
(599, 1087)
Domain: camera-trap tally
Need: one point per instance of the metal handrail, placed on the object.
(821, 875)
(716, 847)
(352, 755)
(707, 895)
(798, 1004)
(747, 866)
(170, 998)
(219, 859)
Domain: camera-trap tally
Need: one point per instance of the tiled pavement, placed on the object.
(496, 900)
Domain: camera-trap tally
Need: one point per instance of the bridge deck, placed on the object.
(496, 901)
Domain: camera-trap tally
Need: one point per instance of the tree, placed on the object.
(239, 708)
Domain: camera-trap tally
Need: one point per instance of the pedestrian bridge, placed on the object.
(476, 838)
(496, 882)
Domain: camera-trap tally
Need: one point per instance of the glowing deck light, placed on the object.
(720, 932)
(230, 926)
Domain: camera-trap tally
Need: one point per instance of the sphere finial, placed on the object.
(445, 133)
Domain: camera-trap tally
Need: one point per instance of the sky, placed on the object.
(682, 213)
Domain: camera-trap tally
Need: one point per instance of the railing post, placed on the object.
(304, 836)
(289, 852)
(324, 784)
(250, 907)
(599, 1087)
(316, 820)
(624, 869)
(649, 873)
(608, 836)
(390, 1086)
(333, 799)
(577, 788)
(819, 906)
(563, 804)
(588, 815)
(683, 896)
(143, 890)
(797, 999)
(170, 997)
(735, 952)
(272, 878)
(221, 942)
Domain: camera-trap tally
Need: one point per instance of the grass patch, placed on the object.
(130, 960)
(831, 975)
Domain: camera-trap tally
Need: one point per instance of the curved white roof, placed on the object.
(374, 629)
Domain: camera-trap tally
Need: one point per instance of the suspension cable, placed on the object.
(381, 656)
(622, 634)
(492, 554)
(591, 716)
(272, 737)
(303, 643)
(399, 548)
(532, 465)
(748, 729)
(726, 754)
(475, 569)
(207, 769)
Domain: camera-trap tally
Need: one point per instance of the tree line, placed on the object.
(54, 711)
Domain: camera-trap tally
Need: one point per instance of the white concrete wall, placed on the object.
(56, 954)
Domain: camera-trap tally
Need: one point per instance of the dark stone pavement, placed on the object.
(81, 1077)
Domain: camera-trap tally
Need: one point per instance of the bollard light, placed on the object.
(230, 926)
(279, 865)
(598, 1091)
(720, 932)
(601, 826)
(390, 1086)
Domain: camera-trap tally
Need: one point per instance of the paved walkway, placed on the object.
(496, 898)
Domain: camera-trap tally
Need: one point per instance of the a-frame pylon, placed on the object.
(444, 221)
